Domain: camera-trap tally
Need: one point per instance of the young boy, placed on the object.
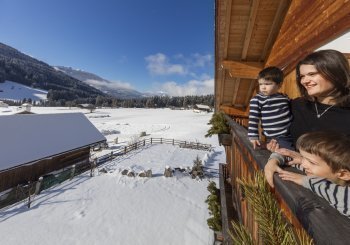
(271, 108)
(325, 158)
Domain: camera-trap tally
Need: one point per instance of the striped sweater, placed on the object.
(338, 196)
(274, 113)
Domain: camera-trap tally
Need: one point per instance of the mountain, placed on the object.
(21, 68)
(108, 87)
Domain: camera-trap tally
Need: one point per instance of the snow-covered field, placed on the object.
(111, 208)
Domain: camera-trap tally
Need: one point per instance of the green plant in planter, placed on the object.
(213, 202)
(218, 124)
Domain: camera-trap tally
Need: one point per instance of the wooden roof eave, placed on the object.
(307, 26)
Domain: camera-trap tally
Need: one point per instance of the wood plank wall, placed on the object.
(22, 174)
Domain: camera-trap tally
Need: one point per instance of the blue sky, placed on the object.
(147, 45)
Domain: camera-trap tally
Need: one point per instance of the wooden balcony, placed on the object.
(299, 205)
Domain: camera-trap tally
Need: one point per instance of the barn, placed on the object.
(33, 145)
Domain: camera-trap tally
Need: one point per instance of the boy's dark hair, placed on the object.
(332, 66)
(271, 73)
(332, 147)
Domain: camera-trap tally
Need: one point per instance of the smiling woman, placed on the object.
(324, 81)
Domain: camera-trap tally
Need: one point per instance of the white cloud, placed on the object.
(112, 84)
(201, 60)
(192, 87)
(159, 64)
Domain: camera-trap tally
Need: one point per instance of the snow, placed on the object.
(111, 208)
(16, 91)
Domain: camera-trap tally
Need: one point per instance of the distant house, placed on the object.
(200, 107)
(3, 104)
(25, 108)
(36, 144)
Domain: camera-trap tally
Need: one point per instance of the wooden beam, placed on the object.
(251, 23)
(250, 92)
(307, 26)
(229, 110)
(249, 70)
(235, 90)
(275, 27)
(223, 80)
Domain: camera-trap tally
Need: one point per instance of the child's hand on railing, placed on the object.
(272, 145)
(256, 143)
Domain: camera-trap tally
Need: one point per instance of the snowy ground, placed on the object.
(111, 208)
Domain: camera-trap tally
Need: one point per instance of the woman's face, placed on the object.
(314, 83)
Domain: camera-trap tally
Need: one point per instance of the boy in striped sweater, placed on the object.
(271, 108)
(325, 158)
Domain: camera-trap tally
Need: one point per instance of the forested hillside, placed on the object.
(18, 67)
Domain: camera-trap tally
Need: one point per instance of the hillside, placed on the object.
(21, 68)
(108, 87)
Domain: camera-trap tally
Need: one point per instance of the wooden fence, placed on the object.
(299, 205)
(25, 190)
(151, 141)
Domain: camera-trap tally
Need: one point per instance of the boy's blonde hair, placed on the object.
(333, 148)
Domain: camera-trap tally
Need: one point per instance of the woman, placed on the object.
(323, 79)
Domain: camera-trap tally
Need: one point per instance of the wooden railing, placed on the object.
(299, 205)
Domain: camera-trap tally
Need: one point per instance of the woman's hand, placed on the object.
(272, 145)
(295, 156)
(290, 176)
(270, 168)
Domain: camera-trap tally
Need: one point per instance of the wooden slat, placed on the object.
(307, 29)
(251, 23)
(227, 27)
(249, 70)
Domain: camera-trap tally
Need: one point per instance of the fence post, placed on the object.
(161, 140)
(151, 141)
(124, 149)
(111, 154)
(173, 141)
(197, 146)
(29, 194)
(144, 142)
(37, 186)
(92, 167)
(72, 172)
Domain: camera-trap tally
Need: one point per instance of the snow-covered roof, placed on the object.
(27, 138)
(204, 107)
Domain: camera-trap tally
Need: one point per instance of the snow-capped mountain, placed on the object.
(108, 87)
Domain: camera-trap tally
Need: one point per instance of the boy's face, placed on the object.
(268, 87)
(316, 166)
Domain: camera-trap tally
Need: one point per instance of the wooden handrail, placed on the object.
(299, 205)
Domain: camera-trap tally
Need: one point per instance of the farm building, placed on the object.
(33, 145)
(249, 36)
(200, 107)
(3, 104)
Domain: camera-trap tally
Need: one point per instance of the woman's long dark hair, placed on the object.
(334, 67)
